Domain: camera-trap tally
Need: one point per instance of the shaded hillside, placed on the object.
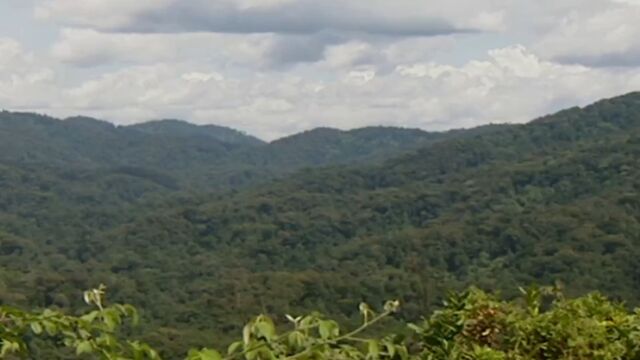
(318, 148)
(182, 128)
(33, 139)
(205, 157)
(326, 146)
(68, 179)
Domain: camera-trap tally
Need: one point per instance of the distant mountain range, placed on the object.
(206, 156)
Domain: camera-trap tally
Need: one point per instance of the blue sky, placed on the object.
(276, 67)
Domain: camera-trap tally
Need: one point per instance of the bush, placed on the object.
(541, 324)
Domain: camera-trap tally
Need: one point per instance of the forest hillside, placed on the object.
(204, 228)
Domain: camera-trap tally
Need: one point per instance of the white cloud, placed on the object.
(510, 85)
(270, 105)
(86, 47)
(202, 77)
(360, 77)
(488, 20)
(605, 37)
(14, 58)
(350, 54)
(89, 48)
(24, 81)
(518, 61)
(513, 85)
(431, 70)
(301, 31)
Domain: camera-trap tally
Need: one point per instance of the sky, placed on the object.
(277, 67)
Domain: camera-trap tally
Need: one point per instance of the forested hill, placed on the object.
(326, 146)
(32, 139)
(555, 199)
(172, 127)
(205, 157)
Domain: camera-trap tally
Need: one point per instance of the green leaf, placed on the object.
(234, 347)
(84, 334)
(90, 317)
(84, 347)
(133, 313)
(251, 355)
(192, 354)
(324, 328)
(36, 328)
(415, 328)
(328, 329)
(374, 350)
(266, 329)
(208, 354)
(246, 334)
(296, 339)
(9, 347)
(110, 320)
(391, 349)
(50, 327)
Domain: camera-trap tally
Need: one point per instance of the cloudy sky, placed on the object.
(276, 67)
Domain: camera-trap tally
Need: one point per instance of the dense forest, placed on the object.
(203, 227)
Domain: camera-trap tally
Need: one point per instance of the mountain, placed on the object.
(556, 199)
(182, 128)
(65, 174)
(326, 146)
(205, 157)
(34, 139)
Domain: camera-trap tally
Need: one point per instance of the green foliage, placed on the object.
(475, 325)
(92, 333)
(472, 325)
(95, 333)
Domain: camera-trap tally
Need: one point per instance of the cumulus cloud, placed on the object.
(352, 54)
(596, 36)
(202, 77)
(24, 81)
(510, 85)
(302, 30)
(87, 47)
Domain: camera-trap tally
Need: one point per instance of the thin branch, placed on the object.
(343, 337)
